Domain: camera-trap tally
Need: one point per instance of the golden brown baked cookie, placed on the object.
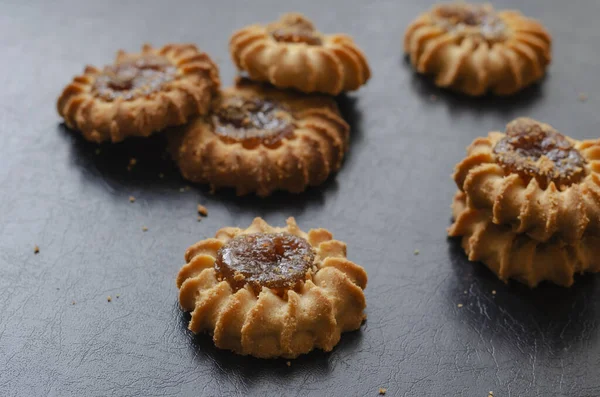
(141, 93)
(260, 139)
(272, 292)
(474, 49)
(535, 179)
(516, 256)
(291, 53)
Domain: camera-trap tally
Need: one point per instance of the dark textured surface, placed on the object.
(391, 197)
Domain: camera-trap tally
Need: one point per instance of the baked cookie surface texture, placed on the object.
(140, 93)
(291, 53)
(259, 139)
(272, 292)
(517, 256)
(536, 180)
(475, 49)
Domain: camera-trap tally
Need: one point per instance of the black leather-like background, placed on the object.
(391, 197)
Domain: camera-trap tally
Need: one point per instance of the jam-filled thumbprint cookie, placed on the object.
(535, 179)
(474, 49)
(292, 53)
(259, 139)
(141, 93)
(272, 292)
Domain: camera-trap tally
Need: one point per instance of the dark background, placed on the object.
(391, 197)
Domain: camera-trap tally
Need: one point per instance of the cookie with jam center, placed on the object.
(272, 291)
(259, 139)
(534, 179)
(141, 93)
(474, 49)
(292, 53)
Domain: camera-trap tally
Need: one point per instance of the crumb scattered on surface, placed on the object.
(289, 363)
(36, 249)
(161, 175)
(202, 210)
(73, 302)
(238, 276)
(132, 161)
(144, 229)
(417, 252)
(583, 97)
(117, 296)
(460, 305)
(131, 199)
(493, 292)
(108, 298)
(382, 391)
(199, 218)
(490, 394)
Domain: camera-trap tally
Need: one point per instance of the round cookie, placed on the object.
(516, 256)
(272, 292)
(260, 139)
(474, 49)
(141, 93)
(291, 53)
(536, 180)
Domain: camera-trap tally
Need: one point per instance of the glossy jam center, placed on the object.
(273, 260)
(253, 121)
(134, 77)
(535, 150)
(295, 30)
(470, 20)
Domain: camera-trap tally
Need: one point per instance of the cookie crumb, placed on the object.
(73, 302)
(583, 97)
(117, 296)
(131, 199)
(417, 252)
(202, 210)
(490, 394)
(238, 276)
(108, 298)
(382, 391)
(132, 162)
(36, 249)
(144, 229)
(199, 218)
(493, 292)
(460, 305)
(289, 363)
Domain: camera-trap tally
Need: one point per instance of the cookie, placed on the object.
(536, 180)
(141, 93)
(517, 256)
(272, 292)
(260, 139)
(291, 53)
(475, 49)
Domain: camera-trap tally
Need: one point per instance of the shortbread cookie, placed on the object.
(291, 53)
(535, 179)
(260, 139)
(474, 49)
(141, 93)
(272, 292)
(517, 256)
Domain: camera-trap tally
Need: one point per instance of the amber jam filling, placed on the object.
(535, 150)
(295, 30)
(470, 20)
(134, 77)
(278, 261)
(253, 121)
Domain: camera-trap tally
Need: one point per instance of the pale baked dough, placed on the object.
(270, 323)
(474, 49)
(516, 256)
(303, 140)
(291, 53)
(178, 82)
(565, 211)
